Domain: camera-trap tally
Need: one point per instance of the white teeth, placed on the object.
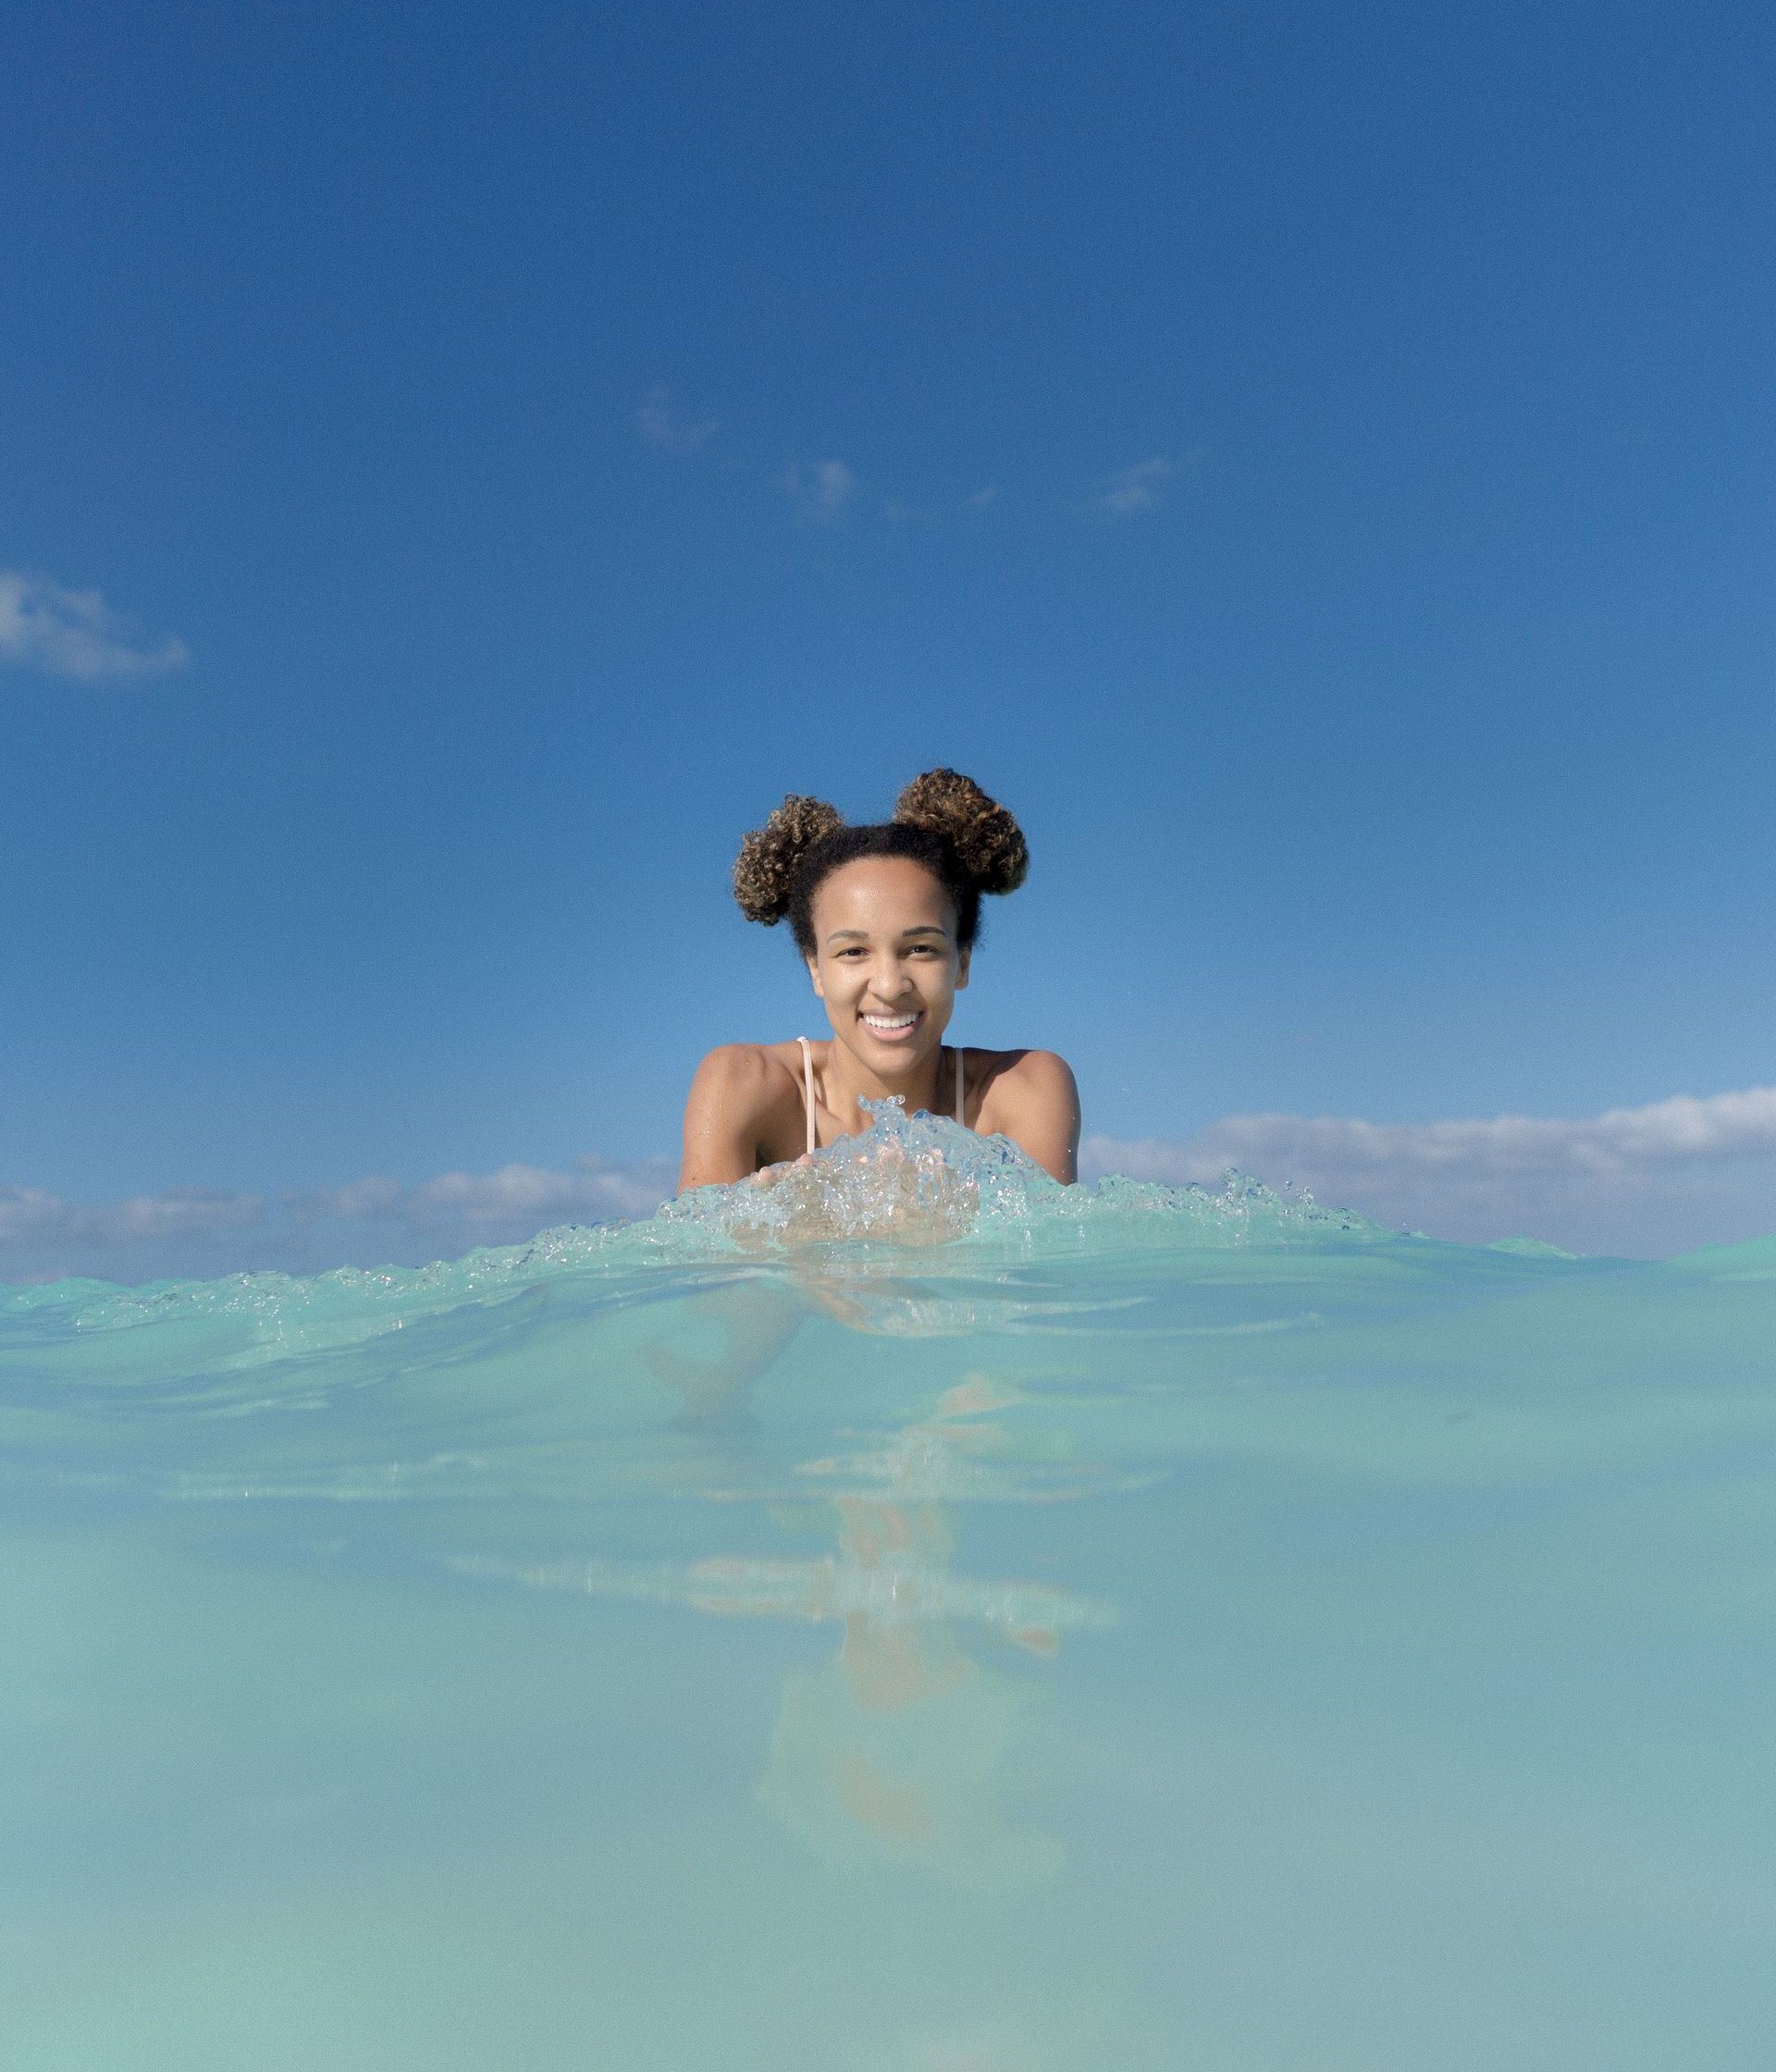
(889, 1021)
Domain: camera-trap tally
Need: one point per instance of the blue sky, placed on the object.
(462, 465)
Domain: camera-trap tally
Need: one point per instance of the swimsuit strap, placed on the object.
(807, 1088)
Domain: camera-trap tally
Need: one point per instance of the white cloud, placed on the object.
(26, 1212)
(29, 1213)
(981, 497)
(175, 1215)
(1675, 1172)
(640, 1188)
(521, 1197)
(374, 1221)
(1724, 1126)
(822, 494)
(199, 1230)
(532, 1195)
(660, 423)
(1132, 488)
(74, 633)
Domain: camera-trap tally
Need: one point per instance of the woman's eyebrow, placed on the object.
(862, 934)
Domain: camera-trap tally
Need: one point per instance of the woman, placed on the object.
(886, 917)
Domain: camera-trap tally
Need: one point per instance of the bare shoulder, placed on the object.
(738, 1064)
(1022, 1076)
(1044, 1072)
(745, 1079)
(1031, 1097)
(740, 1104)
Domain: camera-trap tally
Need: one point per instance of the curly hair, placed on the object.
(942, 819)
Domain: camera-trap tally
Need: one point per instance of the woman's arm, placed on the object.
(1035, 1103)
(725, 1117)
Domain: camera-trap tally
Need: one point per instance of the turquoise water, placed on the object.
(1140, 1630)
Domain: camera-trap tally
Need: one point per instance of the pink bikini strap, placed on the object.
(807, 1087)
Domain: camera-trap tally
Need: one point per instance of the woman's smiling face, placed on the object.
(886, 960)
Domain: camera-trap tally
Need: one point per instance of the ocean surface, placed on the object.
(909, 1619)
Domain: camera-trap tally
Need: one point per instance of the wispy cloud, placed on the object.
(76, 633)
(29, 1213)
(1132, 489)
(367, 1222)
(898, 514)
(182, 1211)
(1723, 1126)
(1684, 1170)
(518, 1195)
(661, 423)
(821, 493)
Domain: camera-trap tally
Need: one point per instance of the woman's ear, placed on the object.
(813, 964)
(962, 970)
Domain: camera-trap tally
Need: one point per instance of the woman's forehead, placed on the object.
(882, 892)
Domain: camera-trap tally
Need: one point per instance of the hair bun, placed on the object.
(986, 839)
(764, 872)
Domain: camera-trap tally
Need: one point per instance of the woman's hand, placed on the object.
(768, 1175)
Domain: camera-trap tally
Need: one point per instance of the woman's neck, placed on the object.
(849, 1080)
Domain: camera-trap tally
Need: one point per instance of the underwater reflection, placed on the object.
(900, 1745)
(753, 1321)
(896, 1746)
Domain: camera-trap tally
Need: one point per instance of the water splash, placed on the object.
(909, 1181)
(923, 1179)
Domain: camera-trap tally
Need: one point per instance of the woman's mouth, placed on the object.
(890, 1028)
